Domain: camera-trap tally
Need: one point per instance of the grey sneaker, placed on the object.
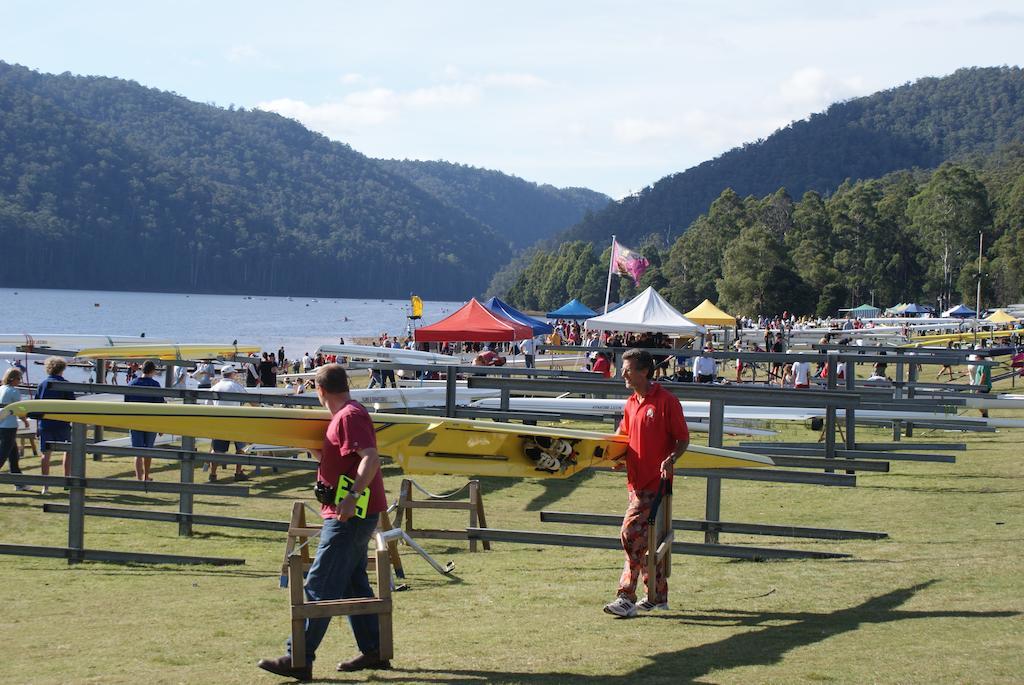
(647, 605)
(621, 607)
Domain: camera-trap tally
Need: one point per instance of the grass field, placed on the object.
(941, 600)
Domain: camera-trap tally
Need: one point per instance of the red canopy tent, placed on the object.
(473, 323)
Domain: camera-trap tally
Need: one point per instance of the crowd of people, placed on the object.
(260, 371)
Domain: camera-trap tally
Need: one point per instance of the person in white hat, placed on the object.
(227, 383)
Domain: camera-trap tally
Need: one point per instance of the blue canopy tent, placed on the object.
(961, 311)
(509, 312)
(574, 309)
(916, 309)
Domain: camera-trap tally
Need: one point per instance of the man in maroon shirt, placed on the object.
(658, 436)
(339, 569)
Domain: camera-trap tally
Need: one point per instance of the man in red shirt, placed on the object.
(658, 436)
(339, 569)
(489, 356)
(602, 365)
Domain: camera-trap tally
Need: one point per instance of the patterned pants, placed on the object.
(634, 543)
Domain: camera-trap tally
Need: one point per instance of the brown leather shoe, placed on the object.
(282, 665)
(364, 661)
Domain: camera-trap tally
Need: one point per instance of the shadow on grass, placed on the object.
(278, 484)
(155, 469)
(25, 499)
(199, 499)
(555, 489)
(179, 571)
(131, 500)
(764, 647)
(958, 476)
(942, 489)
(253, 536)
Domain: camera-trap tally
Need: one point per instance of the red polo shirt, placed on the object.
(653, 426)
(351, 429)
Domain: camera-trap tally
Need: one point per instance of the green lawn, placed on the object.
(940, 601)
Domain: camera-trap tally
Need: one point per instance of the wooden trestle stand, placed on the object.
(475, 506)
(660, 537)
(298, 561)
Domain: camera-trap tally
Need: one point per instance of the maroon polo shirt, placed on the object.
(350, 430)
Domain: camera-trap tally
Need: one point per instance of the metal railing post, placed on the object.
(912, 378)
(850, 414)
(100, 368)
(76, 499)
(830, 410)
(713, 497)
(897, 394)
(450, 391)
(187, 471)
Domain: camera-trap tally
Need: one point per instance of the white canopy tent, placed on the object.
(648, 312)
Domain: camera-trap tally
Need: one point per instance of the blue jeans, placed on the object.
(339, 572)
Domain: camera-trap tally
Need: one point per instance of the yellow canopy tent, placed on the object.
(1000, 316)
(708, 314)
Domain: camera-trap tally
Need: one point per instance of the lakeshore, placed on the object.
(300, 324)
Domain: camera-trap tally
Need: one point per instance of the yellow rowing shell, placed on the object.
(187, 351)
(967, 336)
(419, 444)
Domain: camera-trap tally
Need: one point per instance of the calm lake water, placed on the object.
(301, 324)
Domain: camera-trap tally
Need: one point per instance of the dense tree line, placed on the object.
(107, 184)
(520, 211)
(909, 236)
(917, 125)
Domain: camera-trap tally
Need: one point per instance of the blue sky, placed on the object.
(607, 95)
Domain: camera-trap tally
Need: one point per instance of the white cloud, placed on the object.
(451, 72)
(334, 119)
(457, 95)
(375, 97)
(811, 88)
(241, 53)
(576, 129)
(370, 108)
(512, 80)
(999, 19)
(634, 130)
(375, 106)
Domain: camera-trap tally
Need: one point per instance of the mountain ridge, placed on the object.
(501, 200)
(875, 140)
(229, 200)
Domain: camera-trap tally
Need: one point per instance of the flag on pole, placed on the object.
(417, 307)
(626, 262)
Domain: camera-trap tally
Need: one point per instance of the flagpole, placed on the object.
(611, 266)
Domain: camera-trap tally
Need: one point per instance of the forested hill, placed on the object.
(107, 184)
(520, 211)
(920, 124)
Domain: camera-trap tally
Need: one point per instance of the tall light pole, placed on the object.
(981, 246)
(977, 304)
